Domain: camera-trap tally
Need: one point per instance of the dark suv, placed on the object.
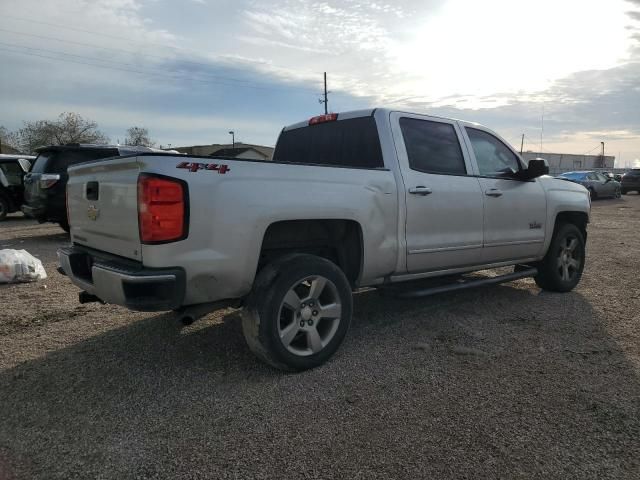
(45, 185)
(631, 181)
(12, 171)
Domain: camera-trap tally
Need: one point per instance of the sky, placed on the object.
(562, 72)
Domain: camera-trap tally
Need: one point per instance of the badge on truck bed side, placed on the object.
(195, 166)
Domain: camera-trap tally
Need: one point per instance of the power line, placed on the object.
(66, 27)
(94, 59)
(594, 148)
(142, 72)
(132, 52)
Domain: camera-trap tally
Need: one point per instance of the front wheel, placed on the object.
(561, 268)
(593, 194)
(298, 312)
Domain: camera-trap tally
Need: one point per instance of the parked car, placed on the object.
(631, 181)
(45, 185)
(13, 168)
(356, 199)
(599, 185)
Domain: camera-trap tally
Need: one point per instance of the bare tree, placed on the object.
(138, 136)
(7, 139)
(69, 127)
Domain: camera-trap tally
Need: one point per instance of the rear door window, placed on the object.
(349, 143)
(432, 147)
(12, 172)
(40, 164)
(64, 159)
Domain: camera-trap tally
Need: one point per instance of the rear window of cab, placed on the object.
(347, 143)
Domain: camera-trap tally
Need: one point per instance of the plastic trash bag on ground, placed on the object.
(20, 266)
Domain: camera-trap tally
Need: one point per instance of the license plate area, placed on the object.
(81, 265)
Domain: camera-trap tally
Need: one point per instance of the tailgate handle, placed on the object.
(92, 190)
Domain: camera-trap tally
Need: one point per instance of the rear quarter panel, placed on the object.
(230, 212)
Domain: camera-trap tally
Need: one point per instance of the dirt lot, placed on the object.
(502, 382)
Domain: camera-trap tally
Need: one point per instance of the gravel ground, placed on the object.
(501, 382)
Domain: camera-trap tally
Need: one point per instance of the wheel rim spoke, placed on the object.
(333, 310)
(289, 333)
(573, 243)
(314, 340)
(565, 272)
(317, 287)
(292, 300)
(574, 263)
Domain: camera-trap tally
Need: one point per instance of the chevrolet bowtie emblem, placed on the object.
(93, 212)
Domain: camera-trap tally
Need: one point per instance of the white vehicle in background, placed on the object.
(369, 198)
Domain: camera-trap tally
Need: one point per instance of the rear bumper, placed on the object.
(123, 282)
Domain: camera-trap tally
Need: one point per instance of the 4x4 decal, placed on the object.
(195, 166)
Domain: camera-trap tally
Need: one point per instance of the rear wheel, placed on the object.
(593, 193)
(4, 208)
(618, 193)
(298, 313)
(562, 266)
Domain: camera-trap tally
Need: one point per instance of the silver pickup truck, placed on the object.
(368, 198)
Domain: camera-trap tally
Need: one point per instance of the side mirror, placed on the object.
(536, 168)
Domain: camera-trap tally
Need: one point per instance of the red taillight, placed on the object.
(330, 117)
(162, 209)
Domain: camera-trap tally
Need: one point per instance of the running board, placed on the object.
(464, 284)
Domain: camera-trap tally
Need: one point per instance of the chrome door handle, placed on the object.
(493, 192)
(420, 190)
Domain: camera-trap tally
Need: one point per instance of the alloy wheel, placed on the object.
(309, 315)
(569, 258)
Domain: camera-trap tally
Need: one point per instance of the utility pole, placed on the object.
(233, 138)
(522, 144)
(541, 128)
(326, 101)
(602, 156)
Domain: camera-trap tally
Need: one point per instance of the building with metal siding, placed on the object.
(567, 162)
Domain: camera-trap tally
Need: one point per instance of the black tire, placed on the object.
(554, 272)
(267, 315)
(4, 208)
(64, 225)
(623, 191)
(618, 193)
(593, 193)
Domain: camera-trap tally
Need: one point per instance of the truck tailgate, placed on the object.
(102, 200)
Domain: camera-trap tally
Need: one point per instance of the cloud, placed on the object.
(227, 61)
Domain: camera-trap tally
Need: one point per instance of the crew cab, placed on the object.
(370, 198)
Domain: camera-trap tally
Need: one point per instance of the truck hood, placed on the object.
(555, 184)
